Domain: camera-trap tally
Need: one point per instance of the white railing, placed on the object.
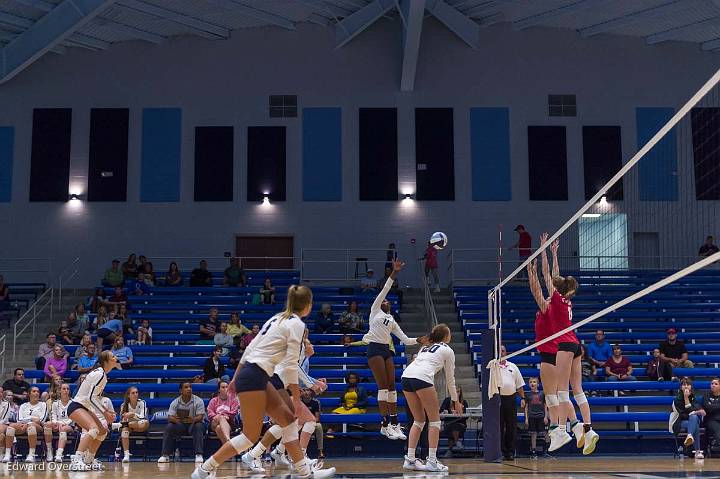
(3, 352)
(328, 265)
(44, 301)
(65, 277)
(215, 263)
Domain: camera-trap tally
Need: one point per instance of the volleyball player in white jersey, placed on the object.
(6, 413)
(419, 390)
(83, 408)
(277, 346)
(380, 358)
(59, 422)
(30, 419)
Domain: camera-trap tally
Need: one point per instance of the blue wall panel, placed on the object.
(490, 152)
(657, 174)
(322, 154)
(7, 140)
(161, 154)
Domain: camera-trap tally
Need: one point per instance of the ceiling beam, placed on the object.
(200, 27)
(89, 42)
(245, 10)
(413, 11)
(9, 37)
(15, 21)
(558, 12)
(132, 31)
(465, 28)
(619, 22)
(356, 23)
(49, 31)
(677, 32)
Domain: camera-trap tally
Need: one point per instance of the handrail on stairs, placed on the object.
(44, 301)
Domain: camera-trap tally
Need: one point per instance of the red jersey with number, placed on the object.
(543, 329)
(559, 313)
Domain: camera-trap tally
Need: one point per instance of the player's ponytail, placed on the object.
(439, 333)
(566, 286)
(298, 298)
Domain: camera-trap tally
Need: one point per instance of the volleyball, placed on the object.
(438, 240)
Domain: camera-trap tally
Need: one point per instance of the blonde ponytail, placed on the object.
(298, 298)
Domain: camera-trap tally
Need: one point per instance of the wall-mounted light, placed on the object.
(408, 196)
(266, 199)
(603, 200)
(74, 197)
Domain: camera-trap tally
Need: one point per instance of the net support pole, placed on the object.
(490, 407)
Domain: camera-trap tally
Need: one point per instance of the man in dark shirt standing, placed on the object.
(201, 276)
(18, 386)
(709, 248)
(674, 351)
(524, 247)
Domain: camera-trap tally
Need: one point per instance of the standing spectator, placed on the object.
(17, 386)
(709, 248)
(325, 320)
(512, 386)
(235, 328)
(86, 363)
(711, 405)
(113, 275)
(687, 414)
(144, 332)
(79, 322)
(588, 369)
(351, 321)
(247, 339)
(267, 292)
(524, 247)
(47, 350)
(96, 300)
(674, 351)
(133, 418)
(57, 365)
(599, 351)
(130, 268)
(222, 412)
(201, 276)
(536, 418)
(234, 275)
(209, 326)
(455, 427)
(618, 367)
(118, 296)
(214, 370)
(186, 417)
(657, 369)
(368, 284)
(173, 276)
(123, 353)
(223, 339)
(431, 266)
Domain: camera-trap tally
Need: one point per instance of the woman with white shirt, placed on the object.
(133, 418)
(30, 418)
(59, 422)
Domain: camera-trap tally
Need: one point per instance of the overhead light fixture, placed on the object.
(591, 215)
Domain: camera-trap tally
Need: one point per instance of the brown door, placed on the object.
(260, 249)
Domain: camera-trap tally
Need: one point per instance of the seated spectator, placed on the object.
(657, 369)
(58, 422)
(599, 351)
(709, 248)
(588, 369)
(236, 353)
(53, 391)
(123, 353)
(186, 417)
(674, 351)
(140, 286)
(142, 261)
(64, 336)
(79, 322)
(113, 276)
(214, 370)
(351, 321)
(130, 268)
(346, 340)
(711, 405)
(325, 320)
(118, 297)
(108, 332)
(247, 339)
(201, 276)
(149, 274)
(208, 327)
(82, 348)
(355, 399)
(235, 328)
(454, 429)
(223, 339)
(86, 363)
(96, 300)
(17, 386)
(56, 366)
(47, 351)
(124, 316)
(267, 292)
(30, 419)
(368, 284)
(687, 415)
(234, 275)
(133, 418)
(144, 332)
(222, 412)
(618, 367)
(173, 276)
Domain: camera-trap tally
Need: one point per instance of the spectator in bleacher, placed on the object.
(123, 353)
(124, 316)
(149, 273)
(657, 369)
(142, 261)
(133, 418)
(236, 353)
(325, 319)
(346, 340)
(390, 255)
(235, 328)
(234, 275)
(267, 292)
(79, 322)
(588, 369)
(130, 268)
(523, 245)
(113, 276)
(214, 370)
(674, 351)
(512, 386)
(52, 393)
(454, 428)
(368, 284)
(82, 346)
(87, 361)
(17, 386)
(47, 350)
(173, 277)
(431, 266)
(222, 412)
(64, 336)
(686, 415)
(711, 405)
(209, 326)
(140, 286)
(618, 367)
(599, 351)
(118, 297)
(709, 248)
(186, 416)
(536, 415)
(351, 321)
(355, 399)
(108, 331)
(201, 276)
(56, 366)
(247, 338)
(223, 339)
(144, 332)
(97, 299)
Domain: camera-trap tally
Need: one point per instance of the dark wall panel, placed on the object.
(706, 152)
(108, 154)
(214, 163)
(602, 158)
(50, 155)
(266, 163)
(378, 154)
(547, 158)
(434, 154)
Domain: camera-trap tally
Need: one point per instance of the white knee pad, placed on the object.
(419, 425)
(382, 395)
(290, 433)
(392, 396)
(125, 433)
(435, 424)
(309, 427)
(63, 436)
(93, 433)
(241, 443)
(102, 435)
(564, 396)
(10, 432)
(276, 431)
(47, 431)
(32, 430)
(580, 398)
(552, 400)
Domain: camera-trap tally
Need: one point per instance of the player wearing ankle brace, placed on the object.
(59, 422)
(30, 419)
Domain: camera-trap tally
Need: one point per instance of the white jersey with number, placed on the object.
(276, 349)
(28, 412)
(140, 410)
(382, 324)
(429, 361)
(90, 392)
(6, 412)
(58, 412)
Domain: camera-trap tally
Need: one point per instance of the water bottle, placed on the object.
(177, 455)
